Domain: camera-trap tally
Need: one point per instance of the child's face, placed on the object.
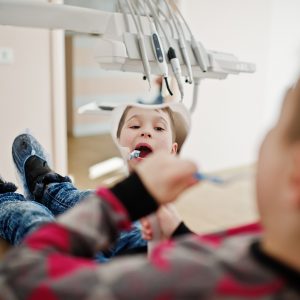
(274, 164)
(147, 130)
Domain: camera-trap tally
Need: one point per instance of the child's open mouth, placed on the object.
(144, 149)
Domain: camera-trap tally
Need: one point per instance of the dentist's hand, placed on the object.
(166, 176)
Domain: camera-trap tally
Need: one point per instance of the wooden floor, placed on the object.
(85, 152)
(205, 207)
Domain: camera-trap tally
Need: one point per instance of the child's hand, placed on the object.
(168, 219)
(146, 229)
(166, 176)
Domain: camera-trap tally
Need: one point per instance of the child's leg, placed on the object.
(39, 181)
(59, 197)
(18, 217)
(54, 191)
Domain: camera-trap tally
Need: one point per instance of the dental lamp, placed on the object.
(116, 47)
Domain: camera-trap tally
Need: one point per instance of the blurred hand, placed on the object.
(166, 176)
(125, 152)
(168, 219)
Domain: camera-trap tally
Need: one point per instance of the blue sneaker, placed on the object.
(32, 166)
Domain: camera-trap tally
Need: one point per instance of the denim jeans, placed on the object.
(18, 217)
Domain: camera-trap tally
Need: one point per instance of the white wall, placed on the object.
(234, 114)
(32, 93)
(284, 55)
(25, 90)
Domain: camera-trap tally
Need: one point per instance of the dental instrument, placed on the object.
(186, 57)
(220, 180)
(199, 175)
(176, 70)
(158, 49)
(210, 178)
(198, 49)
(171, 52)
(182, 43)
(140, 38)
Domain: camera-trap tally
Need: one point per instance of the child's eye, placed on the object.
(134, 127)
(158, 128)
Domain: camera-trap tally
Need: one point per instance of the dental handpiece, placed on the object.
(159, 55)
(200, 54)
(187, 61)
(183, 48)
(141, 43)
(176, 70)
(145, 60)
(198, 49)
(158, 50)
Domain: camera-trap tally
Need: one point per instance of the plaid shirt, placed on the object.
(55, 262)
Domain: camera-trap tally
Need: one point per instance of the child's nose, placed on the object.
(146, 134)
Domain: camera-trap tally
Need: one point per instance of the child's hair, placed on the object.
(165, 109)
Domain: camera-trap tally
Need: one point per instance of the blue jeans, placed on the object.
(18, 217)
